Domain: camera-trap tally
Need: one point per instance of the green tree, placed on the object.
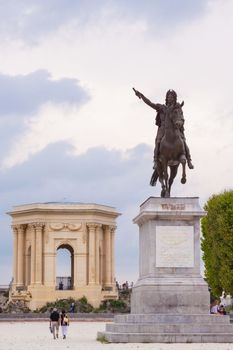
(217, 242)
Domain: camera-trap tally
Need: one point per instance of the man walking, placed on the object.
(55, 322)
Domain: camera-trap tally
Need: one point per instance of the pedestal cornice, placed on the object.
(183, 208)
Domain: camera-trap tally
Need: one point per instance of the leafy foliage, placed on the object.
(217, 243)
(102, 339)
(80, 305)
(61, 304)
(111, 305)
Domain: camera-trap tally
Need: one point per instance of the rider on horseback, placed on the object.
(162, 111)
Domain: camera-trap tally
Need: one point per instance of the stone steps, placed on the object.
(171, 318)
(169, 328)
(165, 328)
(167, 337)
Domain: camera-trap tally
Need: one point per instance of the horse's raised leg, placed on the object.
(183, 162)
(161, 178)
(173, 172)
(165, 178)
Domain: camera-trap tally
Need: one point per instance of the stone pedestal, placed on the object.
(169, 264)
(170, 301)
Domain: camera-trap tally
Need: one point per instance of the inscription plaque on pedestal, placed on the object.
(174, 246)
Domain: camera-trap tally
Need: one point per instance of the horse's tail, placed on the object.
(154, 177)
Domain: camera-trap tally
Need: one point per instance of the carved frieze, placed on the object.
(56, 227)
(74, 227)
(65, 226)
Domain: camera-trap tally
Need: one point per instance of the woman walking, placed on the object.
(64, 323)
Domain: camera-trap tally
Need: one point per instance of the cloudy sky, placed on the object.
(73, 130)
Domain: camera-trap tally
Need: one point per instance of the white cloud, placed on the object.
(51, 124)
(110, 56)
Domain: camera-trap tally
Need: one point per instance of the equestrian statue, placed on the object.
(171, 148)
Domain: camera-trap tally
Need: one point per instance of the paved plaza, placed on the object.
(81, 335)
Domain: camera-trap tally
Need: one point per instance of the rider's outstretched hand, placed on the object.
(137, 93)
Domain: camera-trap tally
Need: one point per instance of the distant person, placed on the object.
(72, 307)
(221, 310)
(64, 323)
(61, 285)
(214, 308)
(55, 322)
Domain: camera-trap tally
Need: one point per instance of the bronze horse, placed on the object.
(171, 151)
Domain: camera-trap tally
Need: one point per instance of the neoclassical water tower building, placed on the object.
(40, 230)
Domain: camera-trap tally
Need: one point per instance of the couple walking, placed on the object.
(57, 320)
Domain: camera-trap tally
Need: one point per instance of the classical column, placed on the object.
(15, 257)
(102, 270)
(113, 230)
(91, 253)
(38, 230)
(33, 253)
(97, 254)
(20, 255)
(75, 263)
(108, 249)
(27, 265)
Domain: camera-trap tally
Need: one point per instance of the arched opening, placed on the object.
(65, 267)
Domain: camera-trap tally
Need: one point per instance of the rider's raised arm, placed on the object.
(155, 106)
(151, 104)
